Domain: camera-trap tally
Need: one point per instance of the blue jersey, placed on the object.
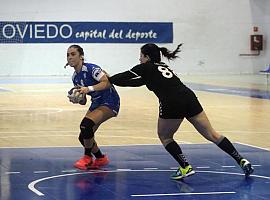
(90, 75)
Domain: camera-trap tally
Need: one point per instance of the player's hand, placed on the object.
(84, 90)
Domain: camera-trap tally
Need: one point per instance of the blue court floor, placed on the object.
(139, 172)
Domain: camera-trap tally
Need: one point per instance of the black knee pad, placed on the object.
(86, 127)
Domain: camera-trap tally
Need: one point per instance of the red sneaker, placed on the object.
(99, 162)
(83, 162)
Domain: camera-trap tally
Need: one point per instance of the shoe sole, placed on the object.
(101, 164)
(182, 177)
(96, 166)
(80, 167)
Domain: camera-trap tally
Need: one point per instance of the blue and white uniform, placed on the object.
(90, 75)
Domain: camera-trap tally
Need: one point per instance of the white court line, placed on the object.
(107, 136)
(121, 145)
(253, 146)
(8, 112)
(124, 170)
(203, 167)
(149, 130)
(218, 89)
(78, 146)
(6, 90)
(12, 172)
(174, 168)
(146, 168)
(228, 166)
(75, 135)
(44, 90)
(31, 186)
(40, 172)
(69, 171)
(181, 194)
(150, 168)
(120, 136)
(31, 109)
(235, 106)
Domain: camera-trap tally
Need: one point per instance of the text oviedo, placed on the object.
(46, 32)
(37, 31)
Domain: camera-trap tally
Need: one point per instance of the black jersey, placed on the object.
(159, 78)
(175, 99)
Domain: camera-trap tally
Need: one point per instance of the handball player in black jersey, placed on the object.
(176, 102)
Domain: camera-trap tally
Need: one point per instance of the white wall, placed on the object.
(214, 33)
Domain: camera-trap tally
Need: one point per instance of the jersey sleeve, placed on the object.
(126, 79)
(139, 70)
(97, 73)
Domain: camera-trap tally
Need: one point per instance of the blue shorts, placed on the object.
(110, 98)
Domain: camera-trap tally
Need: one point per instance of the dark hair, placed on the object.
(79, 49)
(153, 51)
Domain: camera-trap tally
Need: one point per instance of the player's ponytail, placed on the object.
(168, 54)
(153, 52)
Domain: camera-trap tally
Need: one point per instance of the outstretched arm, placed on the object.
(126, 79)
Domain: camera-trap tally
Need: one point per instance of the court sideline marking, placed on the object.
(31, 186)
(181, 194)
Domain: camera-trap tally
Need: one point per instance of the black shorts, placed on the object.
(180, 105)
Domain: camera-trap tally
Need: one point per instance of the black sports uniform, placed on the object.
(176, 100)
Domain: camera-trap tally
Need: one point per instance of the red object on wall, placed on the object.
(256, 42)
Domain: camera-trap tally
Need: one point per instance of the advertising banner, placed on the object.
(86, 32)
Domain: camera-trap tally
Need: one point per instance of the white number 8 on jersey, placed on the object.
(165, 72)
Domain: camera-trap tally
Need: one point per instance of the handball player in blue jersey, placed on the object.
(176, 102)
(92, 80)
